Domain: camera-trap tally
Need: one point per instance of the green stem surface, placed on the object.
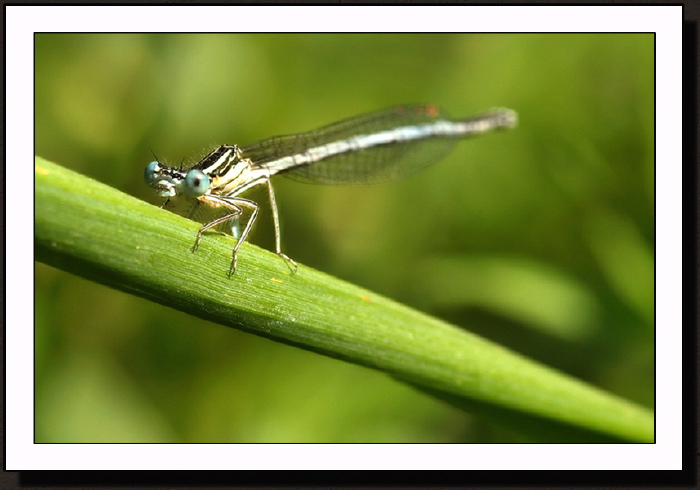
(100, 233)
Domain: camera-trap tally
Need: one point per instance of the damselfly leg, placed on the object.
(276, 220)
(235, 204)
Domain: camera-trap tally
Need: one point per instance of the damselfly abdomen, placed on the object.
(369, 149)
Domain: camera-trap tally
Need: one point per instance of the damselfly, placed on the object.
(368, 149)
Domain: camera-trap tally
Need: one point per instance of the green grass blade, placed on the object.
(97, 232)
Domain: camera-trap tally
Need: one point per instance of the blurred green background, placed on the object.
(540, 238)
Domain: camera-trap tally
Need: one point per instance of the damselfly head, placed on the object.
(168, 181)
(158, 177)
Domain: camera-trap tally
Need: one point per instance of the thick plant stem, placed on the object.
(97, 232)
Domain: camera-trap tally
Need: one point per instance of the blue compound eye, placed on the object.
(196, 183)
(151, 174)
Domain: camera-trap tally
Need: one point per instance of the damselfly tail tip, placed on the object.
(505, 118)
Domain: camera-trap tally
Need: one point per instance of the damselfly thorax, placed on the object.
(368, 149)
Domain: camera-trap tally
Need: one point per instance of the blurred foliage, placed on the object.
(553, 222)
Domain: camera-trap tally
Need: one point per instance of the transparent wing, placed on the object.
(373, 165)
